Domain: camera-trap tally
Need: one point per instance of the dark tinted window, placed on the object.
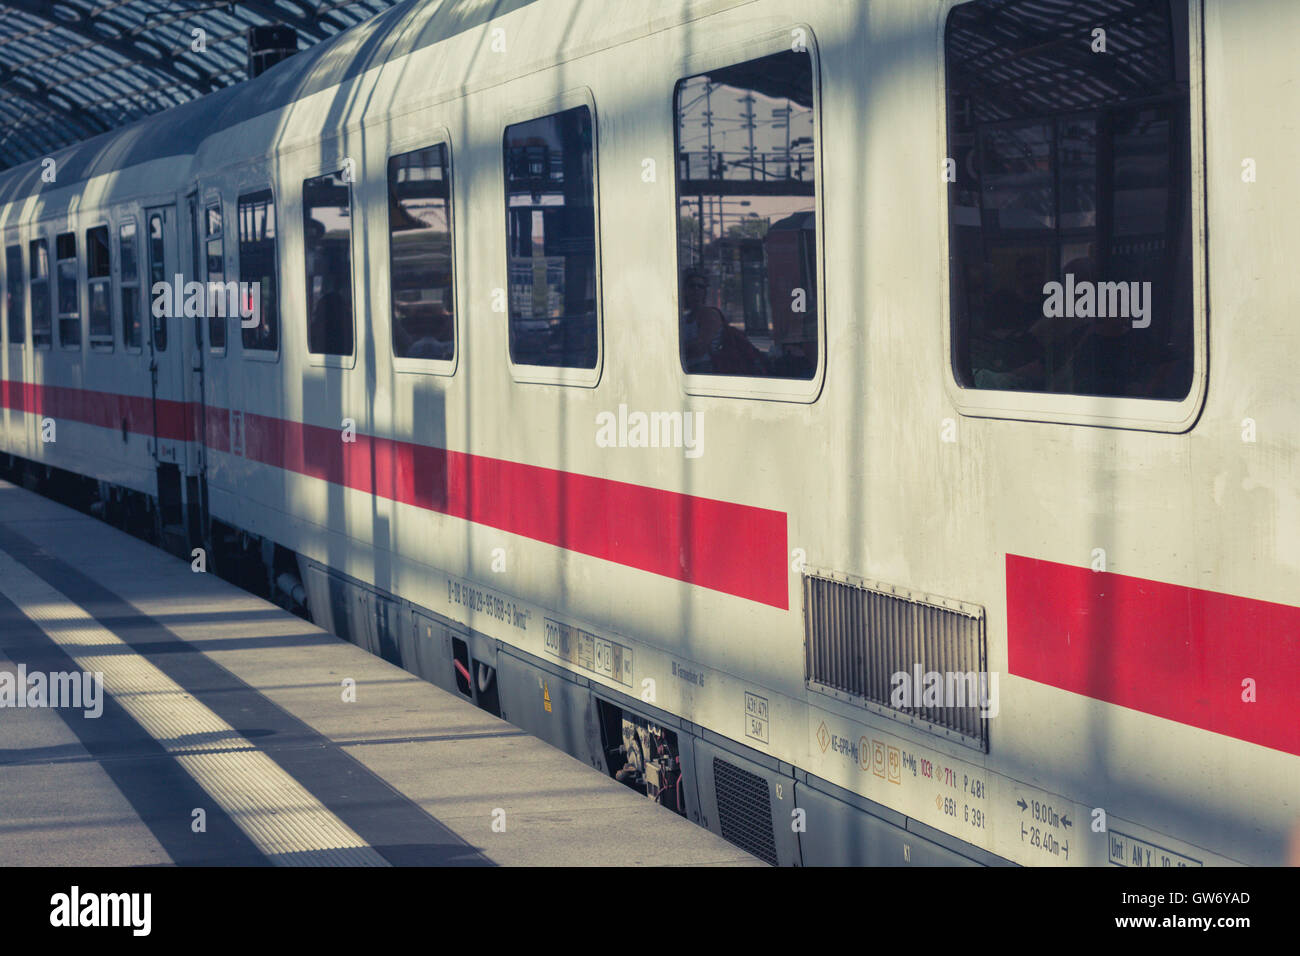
(257, 265)
(39, 263)
(66, 290)
(419, 231)
(217, 301)
(132, 325)
(14, 312)
(746, 219)
(157, 274)
(1070, 209)
(99, 287)
(327, 235)
(551, 232)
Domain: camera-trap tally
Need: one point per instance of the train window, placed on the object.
(132, 324)
(551, 232)
(420, 254)
(67, 293)
(1070, 210)
(14, 295)
(257, 265)
(99, 288)
(38, 262)
(746, 219)
(217, 302)
(327, 233)
(157, 274)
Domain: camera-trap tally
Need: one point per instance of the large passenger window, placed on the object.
(218, 301)
(327, 233)
(257, 265)
(39, 263)
(14, 295)
(420, 255)
(128, 256)
(746, 219)
(65, 246)
(551, 234)
(1070, 214)
(99, 288)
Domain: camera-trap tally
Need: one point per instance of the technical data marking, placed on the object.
(1129, 851)
(284, 821)
(756, 725)
(1044, 828)
(607, 658)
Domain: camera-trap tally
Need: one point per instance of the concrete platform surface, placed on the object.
(224, 736)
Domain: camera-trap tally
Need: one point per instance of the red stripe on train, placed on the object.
(1174, 652)
(732, 548)
(105, 409)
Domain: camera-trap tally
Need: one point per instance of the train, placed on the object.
(869, 430)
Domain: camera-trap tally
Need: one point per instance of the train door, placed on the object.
(12, 404)
(172, 427)
(197, 351)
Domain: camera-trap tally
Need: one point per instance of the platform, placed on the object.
(224, 736)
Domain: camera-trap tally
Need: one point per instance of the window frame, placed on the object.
(430, 135)
(333, 164)
(147, 263)
(120, 282)
(59, 316)
(40, 234)
(794, 390)
(102, 346)
(208, 199)
(14, 241)
(1137, 414)
(249, 186)
(568, 99)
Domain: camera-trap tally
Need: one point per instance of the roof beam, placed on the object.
(307, 22)
(74, 116)
(83, 27)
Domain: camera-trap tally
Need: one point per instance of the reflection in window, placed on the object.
(132, 325)
(65, 247)
(419, 228)
(39, 264)
(157, 273)
(1070, 200)
(99, 288)
(216, 301)
(257, 264)
(14, 295)
(551, 231)
(327, 230)
(746, 219)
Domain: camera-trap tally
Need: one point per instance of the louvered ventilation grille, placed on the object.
(858, 635)
(744, 810)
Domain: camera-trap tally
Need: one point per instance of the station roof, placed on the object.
(72, 69)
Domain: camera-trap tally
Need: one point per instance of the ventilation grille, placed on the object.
(859, 634)
(744, 810)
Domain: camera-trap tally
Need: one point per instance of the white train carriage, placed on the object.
(868, 429)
